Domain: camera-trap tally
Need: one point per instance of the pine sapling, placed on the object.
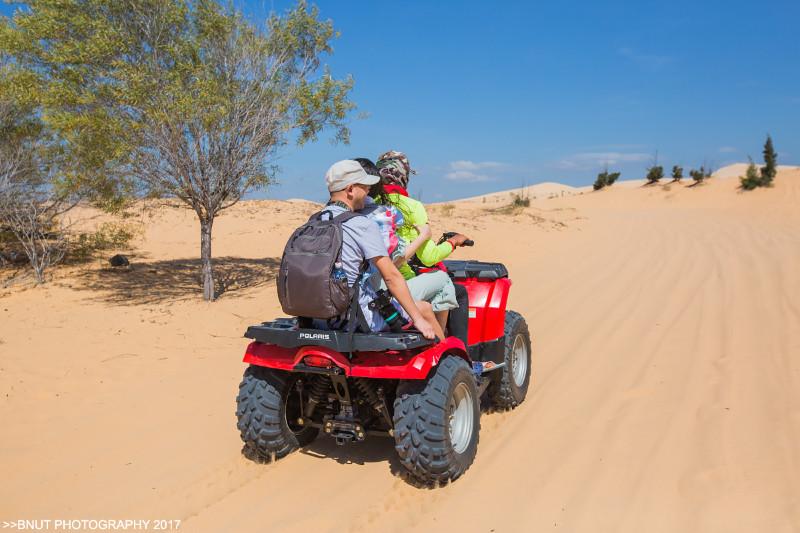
(770, 168)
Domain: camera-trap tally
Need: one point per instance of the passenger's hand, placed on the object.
(424, 231)
(458, 239)
(425, 328)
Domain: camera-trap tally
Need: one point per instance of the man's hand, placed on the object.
(425, 328)
(458, 240)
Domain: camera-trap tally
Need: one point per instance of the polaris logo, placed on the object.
(320, 336)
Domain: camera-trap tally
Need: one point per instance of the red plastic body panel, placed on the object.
(383, 365)
(487, 308)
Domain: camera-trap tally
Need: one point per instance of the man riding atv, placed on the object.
(349, 185)
(335, 369)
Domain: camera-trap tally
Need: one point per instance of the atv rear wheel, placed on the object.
(437, 421)
(510, 388)
(267, 408)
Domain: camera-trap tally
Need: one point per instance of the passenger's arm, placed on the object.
(424, 235)
(399, 289)
(431, 253)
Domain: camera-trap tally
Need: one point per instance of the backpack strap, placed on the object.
(341, 218)
(355, 315)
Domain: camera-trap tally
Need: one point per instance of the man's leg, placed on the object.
(460, 315)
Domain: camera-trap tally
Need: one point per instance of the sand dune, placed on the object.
(666, 392)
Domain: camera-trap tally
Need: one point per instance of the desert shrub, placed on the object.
(699, 175)
(677, 173)
(655, 173)
(109, 236)
(514, 207)
(448, 209)
(605, 179)
(763, 177)
(520, 201)
(752, 178)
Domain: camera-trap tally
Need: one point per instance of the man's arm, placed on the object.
(399, 289)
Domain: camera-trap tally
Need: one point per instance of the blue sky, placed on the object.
(485, 96)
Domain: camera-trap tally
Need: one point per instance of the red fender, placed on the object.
(487, 308)
(382, 365)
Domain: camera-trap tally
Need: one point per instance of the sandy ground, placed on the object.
(666, 392)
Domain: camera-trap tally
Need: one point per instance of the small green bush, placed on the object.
(521, 201)
(755, 177)
(700, 175)
(605, 179)
(752, 178)
(655, 173)
(109, 236)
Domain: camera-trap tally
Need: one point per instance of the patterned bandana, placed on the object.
(394, 168)
(393, 172)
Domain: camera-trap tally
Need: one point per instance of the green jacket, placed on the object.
(414, 214)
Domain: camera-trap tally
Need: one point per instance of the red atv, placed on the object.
(423, 393)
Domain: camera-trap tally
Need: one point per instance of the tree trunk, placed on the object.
(205, 259)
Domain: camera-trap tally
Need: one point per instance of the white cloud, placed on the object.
(728, 150)
(591, 160)
(473, 166)
(473, 170)
(466, 175)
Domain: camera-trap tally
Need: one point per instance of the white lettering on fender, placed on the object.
(321, 336)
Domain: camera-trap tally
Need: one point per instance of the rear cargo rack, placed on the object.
(285, 333)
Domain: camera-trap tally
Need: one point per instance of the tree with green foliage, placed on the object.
(677, 173)
(770, 168)
(605, 179)
(752, 178)
(33, 199)
(654, 174)
(181, 99)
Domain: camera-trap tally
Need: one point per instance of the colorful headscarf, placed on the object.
(394, 168)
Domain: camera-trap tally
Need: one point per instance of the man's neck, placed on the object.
(343, 203)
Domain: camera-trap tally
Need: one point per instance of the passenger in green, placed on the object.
(395, 172)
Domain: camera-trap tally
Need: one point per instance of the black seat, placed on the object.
(476, 269)
(285, 332)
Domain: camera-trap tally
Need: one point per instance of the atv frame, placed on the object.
(424, 394)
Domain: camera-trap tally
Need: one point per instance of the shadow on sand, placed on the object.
(153, 282)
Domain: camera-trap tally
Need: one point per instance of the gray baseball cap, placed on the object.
(347, 172)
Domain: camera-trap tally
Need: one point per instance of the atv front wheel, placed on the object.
(509, 389)
(267, 409)
(437, 421)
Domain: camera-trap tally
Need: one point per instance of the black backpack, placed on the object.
(307, 284)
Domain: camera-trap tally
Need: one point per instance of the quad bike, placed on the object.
(425, 394)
